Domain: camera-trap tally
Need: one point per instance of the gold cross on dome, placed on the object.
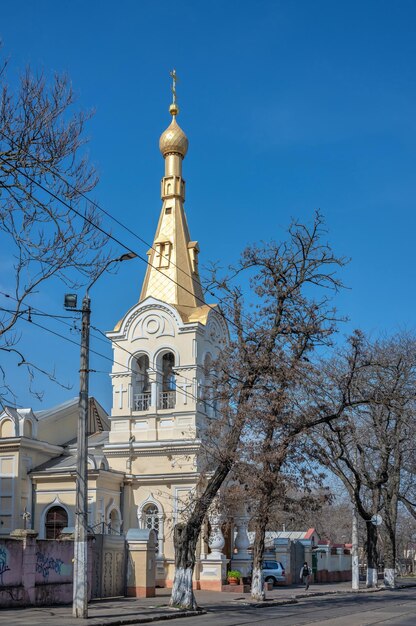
(174, 80)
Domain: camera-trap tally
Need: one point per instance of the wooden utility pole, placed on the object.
(80, 589)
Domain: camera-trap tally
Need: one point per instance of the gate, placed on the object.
(108, 566)
(297, 557)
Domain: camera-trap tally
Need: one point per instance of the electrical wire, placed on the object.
(112, 237)
(58, 175)
(45, 328)
(36, 311)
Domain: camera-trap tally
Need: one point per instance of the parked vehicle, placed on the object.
(273, 572)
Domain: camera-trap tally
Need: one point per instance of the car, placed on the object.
(273, 572)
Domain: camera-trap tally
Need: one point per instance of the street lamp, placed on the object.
(80, 583)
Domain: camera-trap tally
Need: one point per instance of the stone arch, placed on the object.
(7, 428)
(54, 518)
(158, 355)
(166, 359)
(28, 429)
(114, 519)
(140, 381)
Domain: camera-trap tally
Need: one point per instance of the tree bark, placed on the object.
(390, 522)
(186, 535)
(185, 540)
(372, 557)
(257, 580)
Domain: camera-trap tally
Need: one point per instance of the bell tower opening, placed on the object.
(167, 396)
(141, 383)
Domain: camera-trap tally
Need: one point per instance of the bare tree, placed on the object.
(286, 322)
(287, 418)
(48, 227)
(367, 446)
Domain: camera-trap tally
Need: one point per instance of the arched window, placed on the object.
(56, 520)
(208, 390)
(27, 428)
(7, 429)
(152, 520)
(115, 522)
(151, 517)
(168, 363)
(167, 394)
(142, 384)
(142, 373)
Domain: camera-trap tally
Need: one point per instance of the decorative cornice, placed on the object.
(16, 443)
(127, 450)
(148, 304)
(164, 478)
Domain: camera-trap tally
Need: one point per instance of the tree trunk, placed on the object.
(372, 572)
(186, 536)
(355, 583)
(185, 540)
(389, 555)
(390, 494)
(257, 580)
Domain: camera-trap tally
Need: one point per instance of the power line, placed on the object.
(117, 221)
(59, 318)
(183, 391)
(118, 241)
(36, 311)
(56, 173)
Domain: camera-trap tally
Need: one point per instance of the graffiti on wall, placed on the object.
(45, 563)
(3, 564)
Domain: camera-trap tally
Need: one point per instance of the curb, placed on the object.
(147, 620)
(302, 596)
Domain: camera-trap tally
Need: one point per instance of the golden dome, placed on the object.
(173, 140)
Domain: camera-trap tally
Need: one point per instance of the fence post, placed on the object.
(28, 538)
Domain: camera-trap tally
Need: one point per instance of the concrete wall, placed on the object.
(36, 572)
(333, 565)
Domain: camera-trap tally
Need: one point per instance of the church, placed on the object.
(145, 458)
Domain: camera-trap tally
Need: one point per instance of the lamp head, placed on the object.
(70, 301)
(127, 256)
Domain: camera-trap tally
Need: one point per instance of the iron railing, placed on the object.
(167, 399)
(142, 401)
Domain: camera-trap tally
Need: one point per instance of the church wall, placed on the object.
(171, 497)
(16, 461)
(9, 490)
(104, 489)
(58, 429)
(53, 491)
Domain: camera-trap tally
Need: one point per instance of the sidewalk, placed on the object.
(116, 612)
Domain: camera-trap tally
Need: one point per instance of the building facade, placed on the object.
(145, 461)
(163, 350)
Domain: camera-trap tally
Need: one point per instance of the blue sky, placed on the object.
(288, 106)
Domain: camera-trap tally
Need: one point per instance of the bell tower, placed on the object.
(163, 348)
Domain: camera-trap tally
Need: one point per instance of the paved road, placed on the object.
(385, 608)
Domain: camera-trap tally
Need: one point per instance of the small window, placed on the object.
(151, 519)
(56, 520)
(168, 210)
(163, 250)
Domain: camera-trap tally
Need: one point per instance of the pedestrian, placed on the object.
(305, 575)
